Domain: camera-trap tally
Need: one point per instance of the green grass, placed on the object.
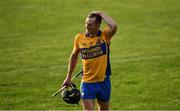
(36, 39)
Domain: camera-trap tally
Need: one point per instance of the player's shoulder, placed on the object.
(79, 35)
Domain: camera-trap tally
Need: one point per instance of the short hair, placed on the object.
(98, 17)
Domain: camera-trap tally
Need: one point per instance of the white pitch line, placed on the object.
(132, 59)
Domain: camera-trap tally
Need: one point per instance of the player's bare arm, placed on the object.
(109, 21)
(72, 63)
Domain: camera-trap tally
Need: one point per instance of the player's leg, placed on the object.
(88, 104)
(103, 95)
(103, 105)
(88, 95)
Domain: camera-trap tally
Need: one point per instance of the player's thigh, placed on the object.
(103, 105)
(88, 104)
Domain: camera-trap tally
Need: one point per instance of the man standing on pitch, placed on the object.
(93, 47)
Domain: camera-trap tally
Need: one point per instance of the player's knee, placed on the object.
(103, 105)
(88, 104)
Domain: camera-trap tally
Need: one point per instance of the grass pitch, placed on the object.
(36, 39)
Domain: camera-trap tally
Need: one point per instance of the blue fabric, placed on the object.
(98, 50)
(97, 90)
(108, 69)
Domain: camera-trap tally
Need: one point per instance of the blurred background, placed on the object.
(36, 40)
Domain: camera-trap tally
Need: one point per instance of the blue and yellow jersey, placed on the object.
(94, 52)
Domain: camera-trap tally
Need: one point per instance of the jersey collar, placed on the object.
(98, 34)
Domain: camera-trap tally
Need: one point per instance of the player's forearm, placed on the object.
(72, 64)
(109, 21)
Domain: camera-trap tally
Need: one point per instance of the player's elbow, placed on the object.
(114, 28)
